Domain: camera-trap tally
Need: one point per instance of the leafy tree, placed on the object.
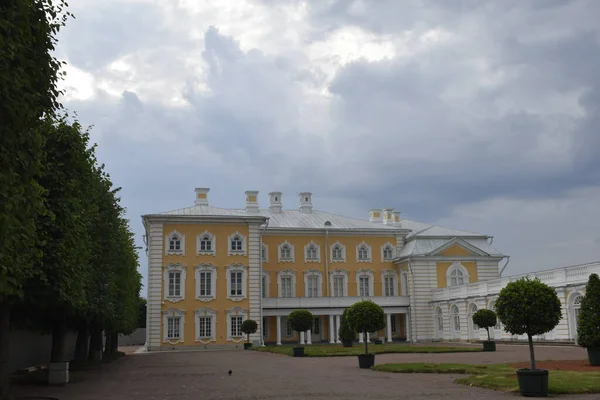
(28, 89)
(485, 319)
(142, 311)
(301, 320)
(588, 323)
(528, 307)
(249, 326)
(346, 331)
(366, 316)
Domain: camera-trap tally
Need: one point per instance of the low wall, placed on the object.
(30, 348)
(138, 337)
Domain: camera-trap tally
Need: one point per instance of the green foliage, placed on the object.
(588, 324)
(142, 311)
(338, 351)
(249, 326)
(528, 307)
(366, 316)
(301, 320)
(485, 319)
(346, 331)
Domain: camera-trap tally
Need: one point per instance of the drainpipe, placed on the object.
(505, 265)
(260, 262)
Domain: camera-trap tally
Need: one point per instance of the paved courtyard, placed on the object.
(204, 375)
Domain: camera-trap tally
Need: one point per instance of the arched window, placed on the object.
(387, 252)
(337, 252)
(286, 252)
(456, 278)
(576, 310)
(312, 252)
(473, 310)
(363, 252)
(175, 243)
(457, 274)
(455, 318)
(236, 243)
(205, 243)
(439, 315)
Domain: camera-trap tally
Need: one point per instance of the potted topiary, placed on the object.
(347, 334)
(249, 326)
(529, 307)
(588, 323)
(300, 321)
(366, 316)
(486, 319)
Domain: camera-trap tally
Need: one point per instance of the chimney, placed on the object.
(305, 202)
(202, 196)
(375, 215)
(396, 215)
(388, 216)
(252, 201)
(275, 204)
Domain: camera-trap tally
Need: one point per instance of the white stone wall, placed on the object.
(154, 317)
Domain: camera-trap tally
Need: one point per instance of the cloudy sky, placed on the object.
(478, 115)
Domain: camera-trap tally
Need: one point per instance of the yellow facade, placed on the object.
(442, 268)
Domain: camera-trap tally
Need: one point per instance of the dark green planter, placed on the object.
(489, 346)
(533, 383)
(347, 343)
(298, 351)
(594, 356)
(247, 346)
(366, 361)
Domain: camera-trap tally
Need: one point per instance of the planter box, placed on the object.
(533, 383)
(247, 346)
(58, 373)
(298, 351)
(347, 343)
(594, 356)
(366, 361)
(489, 346)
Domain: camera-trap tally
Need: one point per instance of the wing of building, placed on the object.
(211, 268)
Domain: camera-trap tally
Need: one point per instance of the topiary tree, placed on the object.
(485, 319)
(366, 316)
(528, 307)
(249, 326)
(588, 323)
(301, 320)
(346, 332)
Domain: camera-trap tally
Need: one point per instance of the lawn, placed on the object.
(337, 351)
(502, 376)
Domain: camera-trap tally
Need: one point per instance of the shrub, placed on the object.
(249, 326)
(588, 323)
(528, 307)
(366, 316)
(485, 319)
(346, 331)
(301, 320)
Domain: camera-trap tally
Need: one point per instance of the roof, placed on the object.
(424, 246)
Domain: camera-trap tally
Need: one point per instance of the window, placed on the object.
(457, 274)
(316, 328)
(236, 326)
(312, 252)
(205, 325)
(387, 252)
(236, 282)
(363, 252)
(394, 327)
(389, 286)
(473, 310)
(456, 318)
(175, 243)
(173, 327)
(440, 319)
(286, 286)
(338, 252)
(174, 282)
(264, 286)
(576, 311)
(288, 331)
(264, 252)
(205, 244)
(338, 286)
(364, 281)
(236, 244)
(205, 283)
(286, 252)
(206, 280)
(364, 286)
(456, 278)
(312, 290)
(286, 282)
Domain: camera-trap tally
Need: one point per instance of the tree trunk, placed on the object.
(5, 393)
(95, 343)
(108, 343)
(531, 353)
(488, 332)
(115, 342)
(366, 342)
(59, 329)
(82, 344)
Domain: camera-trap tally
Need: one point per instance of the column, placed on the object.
(388, 327)
(331, 330)
(308, 337)
(360, 338)
(278, 330)
(407, 326)
(301, 337)
(337, 328)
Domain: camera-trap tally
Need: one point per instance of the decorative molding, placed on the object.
(175, 252)
(237, 268)
(457, 266)
(212, 314)
(363, 246)
(213, 282)
(319, 275)
(317, 250)
(344, 274)
(174, 267)
(236, 252)
(282, 247)
(390, 247)
(332, 251)
(173, 312)
(286, 272)
(211, 242)
(235, 312)
(368, 273)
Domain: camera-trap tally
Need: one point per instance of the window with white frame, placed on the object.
(206, 244)
(286, 282)
(235, 317)
(173, 325)
(264, 252)
(312, 283)
(576, 310)
(387, 252)
(206, 319)
(206, 282)
(393, 321)
(266, 281)
(404, 284)
(389, 283)
(457, 274)
(236, 244)
(455, 318)
(363, 289)
(472, 311)
(338, 285)
(287, 327)
(286, 252)
(338, 252)
(439, 314)
(174, 282)
(175, 244)
(364, 280)
(312, 252)
(363, 252)
(316, 328)
(236, 282)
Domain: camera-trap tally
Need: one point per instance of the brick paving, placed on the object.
(204, 375)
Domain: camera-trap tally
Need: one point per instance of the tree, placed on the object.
(142, 311)
(28, 88)
(485, 319)
(588, 324)
(347, 334)
(301, 320)
(366, 316)
(529, 307)
(249, 326)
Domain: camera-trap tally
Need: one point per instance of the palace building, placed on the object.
(211, 268)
